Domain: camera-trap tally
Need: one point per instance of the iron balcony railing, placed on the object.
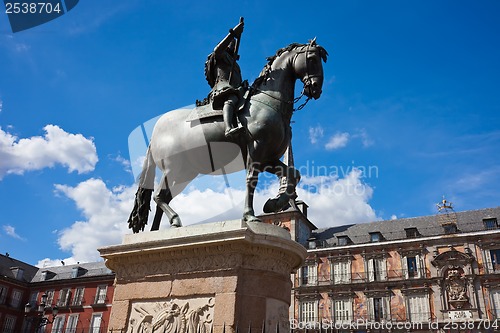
(362, 277)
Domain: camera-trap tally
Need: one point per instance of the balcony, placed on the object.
(363, 277)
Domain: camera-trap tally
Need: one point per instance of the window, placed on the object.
(72, 323)
(100, 297)
(341, 272)
(64, 295)
(308, 311)
(33, 299)
(57, 325)
(9, 324)
(3, 294)
(78, 298)
(95, 324)
(490, 223)
(15, 301)
(412, 267)
(412, 232)
(495, 300)
(376, 269)
(18, 273)
(418, 308)
(74, 272)
(50, 297)
(309, 275)
(450, 228)
(344, 240)
(492, 260)
(375, 237)
(342, 310)
(379, 308)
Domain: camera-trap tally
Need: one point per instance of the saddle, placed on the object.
(205, 110)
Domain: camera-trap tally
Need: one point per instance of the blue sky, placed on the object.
(410, 99)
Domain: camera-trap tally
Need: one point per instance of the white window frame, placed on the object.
(308, 311)
(341, 271)
(495, 303)
(50, 297)
(376, 269)
(9, 324)
(4, 290)
(417, 306)
(78, 296)
(58, 324)
(490, 265)
(342, 310)
(312, 275)
(100, 294)
(385, 307)
(64, 296)
(95, 323)
(16, 298)
(418, 268)
(72, 323)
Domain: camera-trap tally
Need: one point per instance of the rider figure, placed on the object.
(224, 76)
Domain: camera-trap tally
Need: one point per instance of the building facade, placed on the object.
(82, 295)
(427, 274)
(437, 273)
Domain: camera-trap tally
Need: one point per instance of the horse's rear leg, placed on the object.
(162, 199)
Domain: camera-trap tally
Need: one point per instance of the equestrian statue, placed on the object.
(235, 119)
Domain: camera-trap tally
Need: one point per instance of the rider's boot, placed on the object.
(228, 114)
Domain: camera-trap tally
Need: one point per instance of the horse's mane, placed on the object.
(267, 68)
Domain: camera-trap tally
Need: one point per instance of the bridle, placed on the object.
(306, 80)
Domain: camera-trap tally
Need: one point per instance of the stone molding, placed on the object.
(205, 248)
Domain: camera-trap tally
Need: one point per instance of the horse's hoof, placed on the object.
(176, 222)
(270, 206)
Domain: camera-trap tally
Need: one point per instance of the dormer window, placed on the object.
(74, 272)
(343, 240)
(450, 228)
(412, 232)
(490, 223)
(375, 237)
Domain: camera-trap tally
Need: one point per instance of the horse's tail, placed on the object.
(139, 215)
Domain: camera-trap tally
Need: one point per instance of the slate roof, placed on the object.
(466, 221)
(86, 270)
(8, 267)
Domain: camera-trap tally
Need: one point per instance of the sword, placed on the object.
(236, 50)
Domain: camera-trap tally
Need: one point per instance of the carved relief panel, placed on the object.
(193, 315)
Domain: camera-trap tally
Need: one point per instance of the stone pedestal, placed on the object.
(203, 277)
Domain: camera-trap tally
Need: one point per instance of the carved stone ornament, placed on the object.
(456, 287)
(173, 316)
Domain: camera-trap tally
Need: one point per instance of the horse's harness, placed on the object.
(307, 80)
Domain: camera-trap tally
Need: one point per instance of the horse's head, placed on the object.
(308, 67)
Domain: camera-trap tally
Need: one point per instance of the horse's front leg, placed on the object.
(251, 183)
(292, 176)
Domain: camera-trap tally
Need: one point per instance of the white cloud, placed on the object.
(105, 211)
(332, 200)
(337, 201)
(73, 151)
(339, 140)
(11, 231)
(315, 133)
(364, 137)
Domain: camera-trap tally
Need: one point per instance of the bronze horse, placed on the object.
(179, 146)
